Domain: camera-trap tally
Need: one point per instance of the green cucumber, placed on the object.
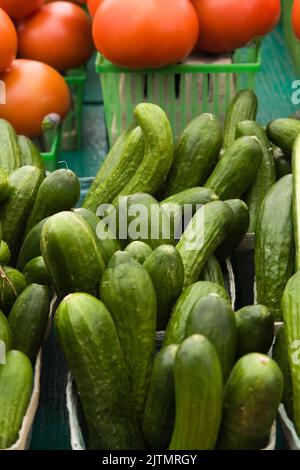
(160, 407)
(202, 236)
(242, 107)
(212, 272)
(117, 170)
(14, 212)
(238, 228)
(5, 332)
(165, 268)
(280, 355)
(139, 251)
(35, 271)
(296, 199)
(274, 245)
(158, 153)
(194, 196)
(255, 330)
(198, 395)
(196, 153)
(251, 400)
(10, 153)
(127, 291)
(31, 246)
(283, 133)
(4, 253)
(176, 327)
(58, 192)
(28, 319)
(4, 186)
(89, 340)
(30, 154)
(71, 254)
(237, 169)
(283, 166)
(266, 175)
(12, 283)
(16, 382)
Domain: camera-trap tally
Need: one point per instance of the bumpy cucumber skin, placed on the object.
(58, 192)
(71, 254)
(12, 283)
(158, 153)
(274, 245)
(115, 173)
(213, 220)
(4, 186)
(160, 407)
(16, 382)
(213, 318)
(176, 327)
(4, 253)
(266, 175)
(251, 399)
(31, 246)
(89, 340)
(237, 169)
(35, 271)
(212, 272)
(243, 107)
(195, 155)
(280, 355)
(30, 154)
(194, 196)
(127, 291)
(5, 332)
(255, 330)
(10, 154)
(198, 392)
(165, 268)
(296, 198)
(28, 319)
(283, 133)
(139, 251)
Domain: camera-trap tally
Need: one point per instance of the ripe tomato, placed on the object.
(93, 6)
(147, 33)
(8, 48)
(33, 90)
(58, 34)
(296, 18)
(19, 9)
(226, 25)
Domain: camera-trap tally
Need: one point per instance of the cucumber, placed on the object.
(139, 251)
(5, 332)
(158, 153)
(71, 254)
(107, 245)
(160, 407)
(202, 236)
(117, 170)
(282, 166)
(31, 246)
(212, 272)
(127, 291)
(176, 327)
(266, 175)
(4, 186)
(194, 196)
(237, 169)
(14, 212)
(242, 107)
(274, 246)
(238, 228)
(198, 395)
(165, 268)
(4, 253)
(28, 319)
(196, 153)
(35, 271)
(251, 399)
(16, 382)
(58, 192)
(10, 153)
(30, 154)
(89, 340)
(296, 199)
(213, 318)
(12, 283)
(280, 355)
(255, 330)
(283, 133)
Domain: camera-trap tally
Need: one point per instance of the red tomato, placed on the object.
(226, 25)
(19, 9)
(93, 6)
(145, 33)
(33, 90)
(296, 18)
(59, 34)
(8, 48)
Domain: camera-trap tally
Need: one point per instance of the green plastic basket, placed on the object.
(49, 146)
(185, 90)
(291, 41)
(72, 126)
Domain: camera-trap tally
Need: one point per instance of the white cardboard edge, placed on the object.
(288, 429)
(232, 290)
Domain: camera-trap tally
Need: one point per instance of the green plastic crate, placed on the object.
(182, 90)
(72, 126)
(291, 41)
(49, 146)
